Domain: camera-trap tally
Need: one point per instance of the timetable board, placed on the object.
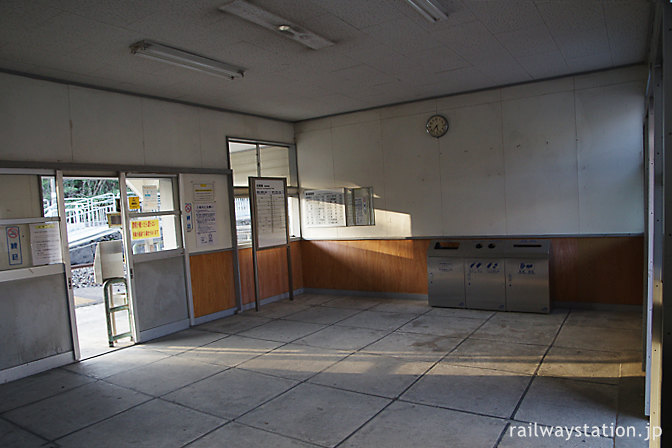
(324, 208)
(269, 202)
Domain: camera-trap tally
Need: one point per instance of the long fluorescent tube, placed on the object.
(428, 9)
(185, 59)
(270, 21)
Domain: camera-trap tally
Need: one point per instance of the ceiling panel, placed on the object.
(384, 51)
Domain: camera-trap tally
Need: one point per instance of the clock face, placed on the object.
(437, 126)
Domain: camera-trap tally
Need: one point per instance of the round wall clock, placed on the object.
(437, 126)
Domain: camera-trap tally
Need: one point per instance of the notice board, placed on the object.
(268, 202)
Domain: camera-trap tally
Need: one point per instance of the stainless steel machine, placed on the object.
(511, 275)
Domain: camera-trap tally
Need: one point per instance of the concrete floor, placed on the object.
(349, 372)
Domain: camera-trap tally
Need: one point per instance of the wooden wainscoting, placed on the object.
(590, 269)
(272, 267)
(212, 281)
(212, 285)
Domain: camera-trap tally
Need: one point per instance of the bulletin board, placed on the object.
(268, 203)
(206, 214)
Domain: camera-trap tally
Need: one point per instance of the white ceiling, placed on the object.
(385, 52)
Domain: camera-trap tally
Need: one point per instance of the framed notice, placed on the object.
(268, 202)
(324, 208)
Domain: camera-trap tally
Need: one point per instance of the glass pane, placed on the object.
(275, 161)
(243, 220)
(155, 233)
(243, 162)
(150, 195)
(294, 221)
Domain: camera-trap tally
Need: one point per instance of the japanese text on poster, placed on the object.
(45, 243)
(144, 229)
(206, 224)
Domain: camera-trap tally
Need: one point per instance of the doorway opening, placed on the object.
(93, 219)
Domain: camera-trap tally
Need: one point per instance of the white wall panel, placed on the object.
(172, 134)
(412, 174)
(472, 172)
(610, 158)
(33, 120)
(541, 166)
(106, 127)
(213, 140)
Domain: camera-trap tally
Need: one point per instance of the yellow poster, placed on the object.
(142, 230)
(133, 203)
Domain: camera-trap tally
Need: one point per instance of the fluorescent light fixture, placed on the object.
(429, 9)
(277, 24)
(185, 59)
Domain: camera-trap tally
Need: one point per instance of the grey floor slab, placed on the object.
(580, 364)
(559, 401)
(230, 351)
(277, 309)
(314, 299)
(460, 312)
(118, 361)
(173, 372)
(631, 393)
(484, 391)
(316, 414)
(234, 435)
(38, 387)
(605, 319)
(442, 326)
(520, 435)
(282, 330)
(342, 338)
(322, 315)
(182, 341)
(506, 356)
(231, 393)
(295, 361)
(75, 409)
(355, 303)
(402, 306)
(11, 436)
(533, 331)
(597, 338)
(234, 324)
(372, 374)
(154, 424)
(404, 425)
(378, 320)
(413, 346)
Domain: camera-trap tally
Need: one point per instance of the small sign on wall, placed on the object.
(45, 243)
(14, 246)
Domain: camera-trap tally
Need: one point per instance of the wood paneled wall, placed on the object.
(590, 269)
(272, 267)
(212, 283)
(212, 277)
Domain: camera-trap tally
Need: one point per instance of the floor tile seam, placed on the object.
(581, 380)
(455, 364)
(536, 370)
(150, 398)
(343, 389)
(618, 352)
(216, 428)
(166, 355)
(329, 324)
(60, 392)
(448, 408)
(481, 338)
(366, 422)
(222, 369)
(247, 369)
(266, 430)
(28, 430)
